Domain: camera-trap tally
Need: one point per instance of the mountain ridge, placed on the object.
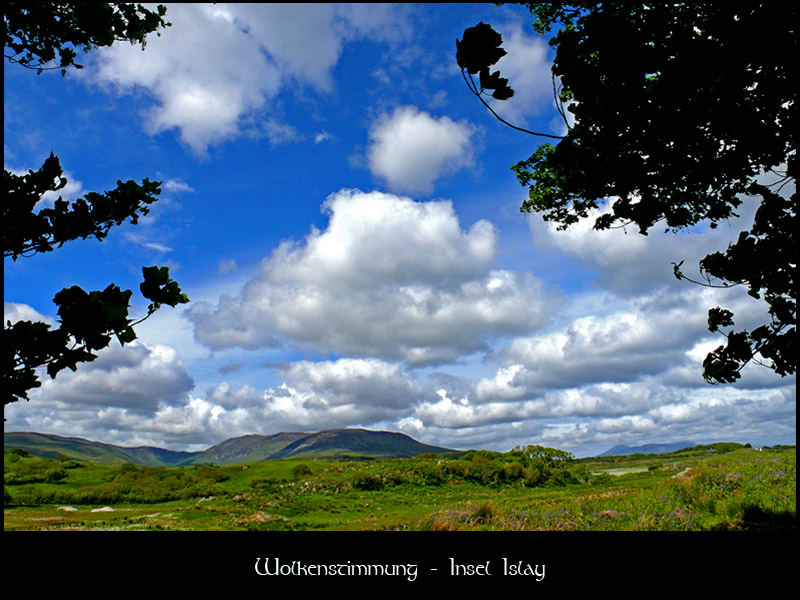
(622, 449)
(330, 443)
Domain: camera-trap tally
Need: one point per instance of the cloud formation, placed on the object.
(135, 377)
(205, 90)
(410, 149)
(628, 263)
(377, 394)
(527, 66)
(16, 311)
(389, 278)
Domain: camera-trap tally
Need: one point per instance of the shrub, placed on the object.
(432, 474)
(54, 476)
(367, 481)
(482, 513)
(300, 471)
(427, 455)
(513, 470)
(532, 477)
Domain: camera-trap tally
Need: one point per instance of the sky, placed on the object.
(342, 214)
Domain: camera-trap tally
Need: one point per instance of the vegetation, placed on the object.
(720, 486)
(659, 93)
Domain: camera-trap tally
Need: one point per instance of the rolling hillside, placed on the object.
(51, 446)
(623, 450)
(335, 443)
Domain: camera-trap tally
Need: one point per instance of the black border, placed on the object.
(639, 563)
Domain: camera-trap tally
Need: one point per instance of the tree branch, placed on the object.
(473, 89)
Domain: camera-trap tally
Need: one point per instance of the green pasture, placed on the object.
(544, 489)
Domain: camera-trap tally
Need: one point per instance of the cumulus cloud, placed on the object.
(322, 395)
(15, 311)
(376, 394)
(218, 64)
(311, 397)
(388, 278)
(590, 419)
(628, 263)
(664, 333)
(135, 377)
(527, 66)
(411, 149)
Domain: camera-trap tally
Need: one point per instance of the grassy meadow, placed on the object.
(716, 487)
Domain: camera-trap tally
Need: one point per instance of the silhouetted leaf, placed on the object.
(479, 48)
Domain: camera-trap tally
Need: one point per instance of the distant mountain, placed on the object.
(355, 443)
(622, 450)
(51, 446)
(334, 443)
(247, 448)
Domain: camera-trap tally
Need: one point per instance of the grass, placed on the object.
(740, 489)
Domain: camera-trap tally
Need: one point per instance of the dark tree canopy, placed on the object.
(678, 109)
(33, 33)
(27, 232)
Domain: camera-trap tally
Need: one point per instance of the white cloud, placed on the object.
(661, 334)
(226, 265)
(218, 64)
(591, 419)
(176, 186)
(377, 394)
(412, 149)
(135, 377)
(141, 240)
(388, 278)
(280, 133)
(366, 383)
(628, 263)
(322, 395)
(527, 66)
(15, 311)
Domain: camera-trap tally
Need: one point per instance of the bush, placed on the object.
(532, 477)
(513, 470)
(367, 481)
(482, 513)
(54, 476)
(300, 471)
(432, 474)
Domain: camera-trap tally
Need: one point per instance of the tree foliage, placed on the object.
(679, 110)
(33, 34)
(27, 232)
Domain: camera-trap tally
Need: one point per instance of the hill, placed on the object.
(357, 444)
(623, 450)
(51, 446)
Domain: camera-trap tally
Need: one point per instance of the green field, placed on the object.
(706, 488)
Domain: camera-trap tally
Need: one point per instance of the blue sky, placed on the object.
(341, 212)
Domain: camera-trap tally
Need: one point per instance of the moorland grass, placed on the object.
(523, 490)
